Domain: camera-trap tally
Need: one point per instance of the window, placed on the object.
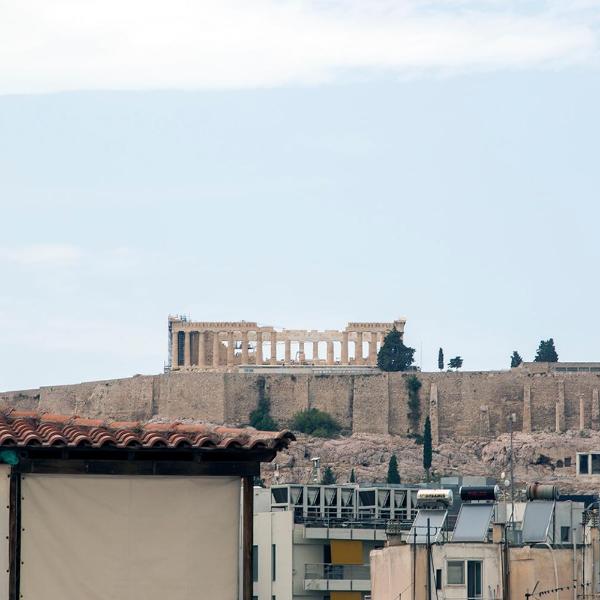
(254, 563)
(274, 561)
(595, 464)
(474, 579)
(455, 572)
(583, 464)
(438, 579)
(564, 534)
(567, 461)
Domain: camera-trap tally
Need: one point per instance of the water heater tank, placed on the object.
(541, 491)
(479, 492)
(434, 497)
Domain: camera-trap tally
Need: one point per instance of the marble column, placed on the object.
(344, 347)
(175, 350)
(288, 352)
(230, 346)
(187, 343)
(315, 357)
(329, 353)
(216, 347)
(244, 347)
(259, 349)
(373, 349)
(273, 359)
(202, 348)
(301, 352)
(358, 349)
(581, 413)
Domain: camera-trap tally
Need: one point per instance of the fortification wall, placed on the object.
(460, 405)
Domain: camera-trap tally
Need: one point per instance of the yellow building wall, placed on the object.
(346, 552)
(345, 596)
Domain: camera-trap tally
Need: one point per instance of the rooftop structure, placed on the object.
(491, 550)
(241, 345)
(111, 509)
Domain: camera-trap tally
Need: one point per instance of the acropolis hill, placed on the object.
(218, 372)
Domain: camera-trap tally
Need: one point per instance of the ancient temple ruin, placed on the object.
(233, 345)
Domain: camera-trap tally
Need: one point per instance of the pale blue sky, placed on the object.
(465, 201)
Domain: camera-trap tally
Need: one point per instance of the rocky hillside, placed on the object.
(547, 457)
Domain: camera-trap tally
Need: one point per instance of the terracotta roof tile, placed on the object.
(30, 428)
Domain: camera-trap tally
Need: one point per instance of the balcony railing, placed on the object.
(337, 572)
(343, 578)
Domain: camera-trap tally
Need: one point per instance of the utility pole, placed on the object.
(428, 560)
(511, 419)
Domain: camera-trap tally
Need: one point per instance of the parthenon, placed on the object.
(223, 346)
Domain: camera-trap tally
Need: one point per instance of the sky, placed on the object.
(299, 164)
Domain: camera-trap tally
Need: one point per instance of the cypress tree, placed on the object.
(352, 477)
(393, 476)
(328, 477)
(441, 360)
(427, 447)
(393, 354)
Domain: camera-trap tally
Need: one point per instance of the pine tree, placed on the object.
(441, 360)
(427, 447)
(393, 476)
(352, 477)
(328, 477)
(455, 363)
(515, 360)
(546, 352)
(393, 354)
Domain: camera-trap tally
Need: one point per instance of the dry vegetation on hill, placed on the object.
(547, 457)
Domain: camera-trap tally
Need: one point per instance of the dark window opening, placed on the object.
(564, 534)
(474, 580)
(180, 348)
(583, 464)
(254, 563)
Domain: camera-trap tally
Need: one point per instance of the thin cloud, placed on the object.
(152, 44)
(41, 254)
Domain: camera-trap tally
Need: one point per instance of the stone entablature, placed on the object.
(227, 345)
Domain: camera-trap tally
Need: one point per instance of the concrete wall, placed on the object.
(392, 570)
(460, 404)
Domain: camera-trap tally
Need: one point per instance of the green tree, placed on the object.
(546, 352)
(315, 422)
(352, 477)
(261, 417)
(393, 354)
(393, 476)
(328, 477)
(413, 385)
(427, 447)
(515, 360)
(441, 360)
(455, 363)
